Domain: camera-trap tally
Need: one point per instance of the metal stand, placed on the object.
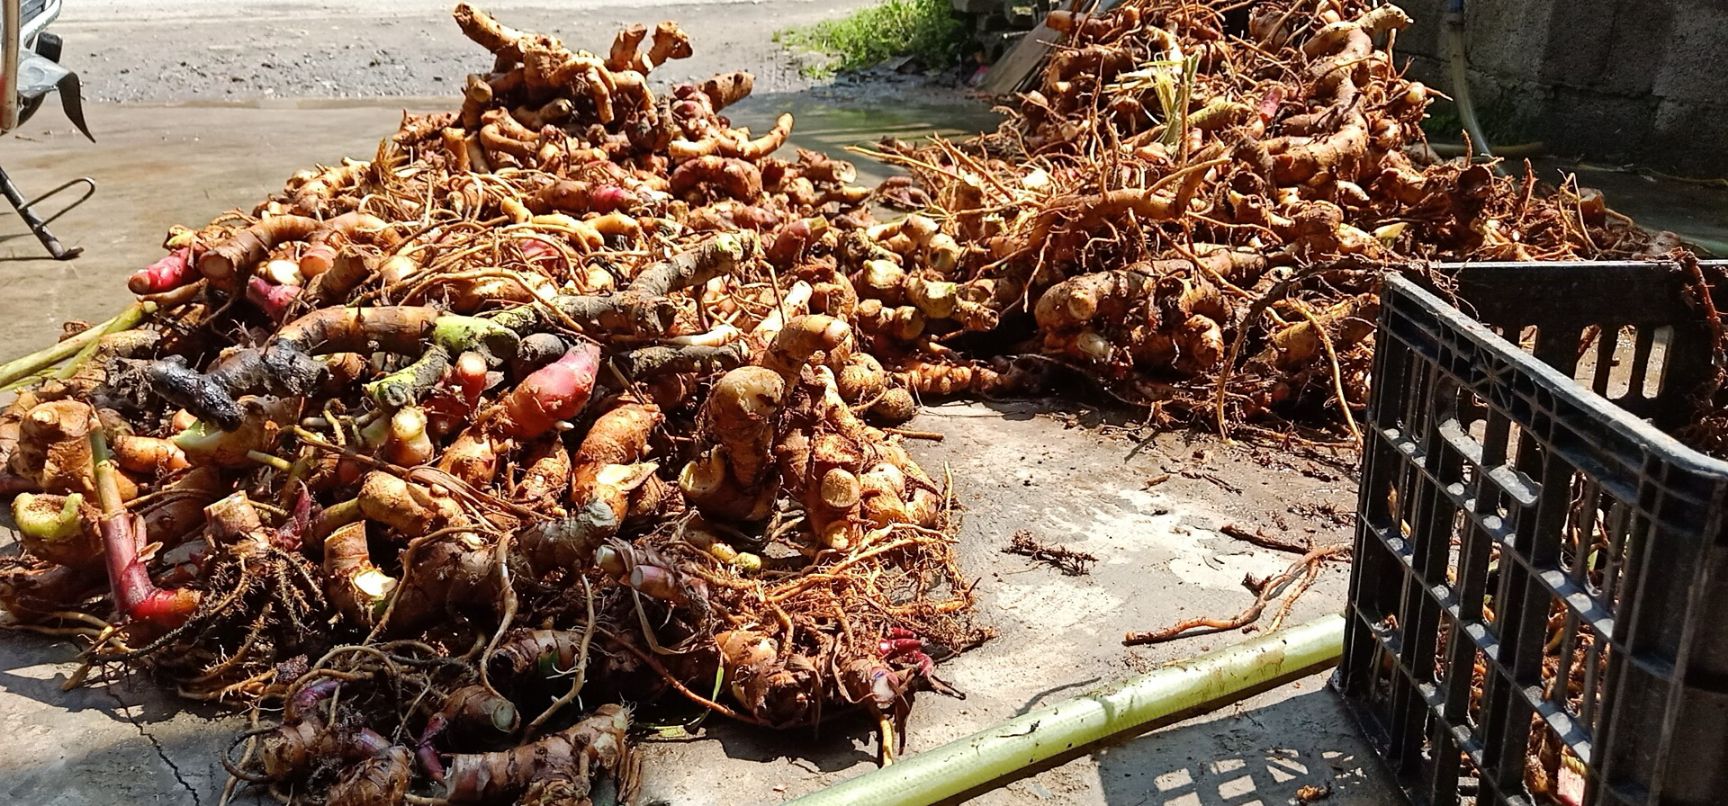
(39, 226)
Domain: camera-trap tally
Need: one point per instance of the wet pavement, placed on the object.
(1696, 210)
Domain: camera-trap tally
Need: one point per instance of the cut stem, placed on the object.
(20, 368)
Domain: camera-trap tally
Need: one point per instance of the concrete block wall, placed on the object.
(1642, 81)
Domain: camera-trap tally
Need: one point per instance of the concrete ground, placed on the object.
(170, 51)
(1071, 479)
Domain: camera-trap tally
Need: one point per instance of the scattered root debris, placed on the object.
(1260, 538)
(1290, 583)
(1069, 561)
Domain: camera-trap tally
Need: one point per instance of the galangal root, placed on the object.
(1192, 208)
(437, 459)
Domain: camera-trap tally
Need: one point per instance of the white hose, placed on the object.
(1453, 34)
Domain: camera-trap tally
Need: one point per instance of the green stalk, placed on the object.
(1177, 691)
(28, 380)
(461, 333)
(19, 368)
(333, 517)
(108, 501)
(115, 325)
(270, 460)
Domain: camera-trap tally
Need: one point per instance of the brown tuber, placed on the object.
(563, 763)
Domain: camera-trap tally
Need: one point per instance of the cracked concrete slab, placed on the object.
(126, 742)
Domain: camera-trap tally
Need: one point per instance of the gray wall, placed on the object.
(1641, 81)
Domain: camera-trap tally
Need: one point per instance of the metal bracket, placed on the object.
(38, 76)
(39, 226)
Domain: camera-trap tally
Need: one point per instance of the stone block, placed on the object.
(1694, 54)
(1422, 38)
(1687, 138)
(1507, 39)
(1608, 127)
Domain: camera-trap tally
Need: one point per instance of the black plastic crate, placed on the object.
(1540, 584)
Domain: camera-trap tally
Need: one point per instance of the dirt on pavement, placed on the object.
(153, 51)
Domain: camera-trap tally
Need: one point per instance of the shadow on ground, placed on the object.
(124, 742)
(1235, 761)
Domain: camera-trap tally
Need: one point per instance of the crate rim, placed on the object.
(1564, 385)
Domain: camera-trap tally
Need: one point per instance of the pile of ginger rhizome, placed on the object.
(581, 397)
(559, 401)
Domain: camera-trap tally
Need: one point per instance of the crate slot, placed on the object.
(1656, 364)
(1622, 362)
(1555, 581)
(1554, 717)
(1556, 584)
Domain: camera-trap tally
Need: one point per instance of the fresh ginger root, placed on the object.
(927, 378)
(53, 450)
(725, 177)
(803, 338)
(382, 778)
(249, 246)
(726, 89)
(555, 769)
(734, 145)
(547, 474)
(728, 480)
(1300, 344)
(552, 393)
(171, 519)
(776, 691)
(355, 585)
(152, 456)
(604, 468)
(53, 528)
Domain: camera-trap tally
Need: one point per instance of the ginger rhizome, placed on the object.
(433, 456)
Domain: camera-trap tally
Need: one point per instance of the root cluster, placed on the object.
(1194, 204)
